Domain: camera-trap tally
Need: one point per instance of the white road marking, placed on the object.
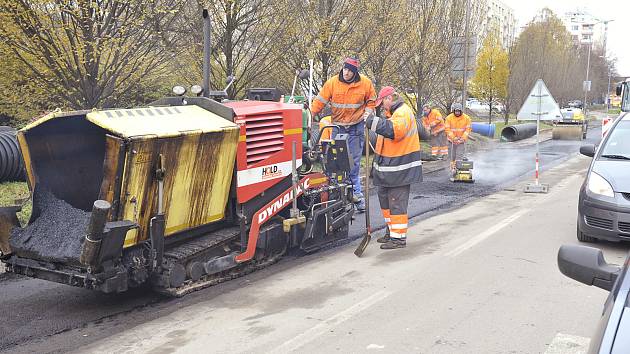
(375, 346)
(568, 344)
(309, 335)
(484, 235)
(559, 187)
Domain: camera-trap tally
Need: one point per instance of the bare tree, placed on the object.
(88, 53)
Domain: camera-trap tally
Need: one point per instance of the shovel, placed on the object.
(368, 232)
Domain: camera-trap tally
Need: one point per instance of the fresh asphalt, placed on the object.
(34, 311)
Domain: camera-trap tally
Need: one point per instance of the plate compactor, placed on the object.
(462, 169)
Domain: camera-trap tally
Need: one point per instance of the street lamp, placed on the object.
(587, 86)
(608, 91)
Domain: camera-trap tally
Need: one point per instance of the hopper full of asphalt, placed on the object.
(56, 235)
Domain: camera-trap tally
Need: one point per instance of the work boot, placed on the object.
(360, 205)
(385, 238)
(394, 243)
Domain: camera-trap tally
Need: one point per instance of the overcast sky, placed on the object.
(617, 10)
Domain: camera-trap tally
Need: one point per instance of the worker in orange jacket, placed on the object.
(458, 126)
(351, 97)
(434, 124)
(396, 164)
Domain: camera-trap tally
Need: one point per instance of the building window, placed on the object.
(586, 37)
(575, 28)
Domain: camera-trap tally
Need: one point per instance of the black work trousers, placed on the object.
(394, 199)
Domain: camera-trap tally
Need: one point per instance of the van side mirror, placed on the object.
(619, 89)
(587, 265)
(587, 150)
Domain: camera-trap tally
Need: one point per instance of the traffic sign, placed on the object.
(586, 86)
(539, 105)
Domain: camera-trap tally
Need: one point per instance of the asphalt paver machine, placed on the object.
(179, 195)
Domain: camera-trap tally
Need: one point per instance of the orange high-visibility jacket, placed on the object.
(457, 126)
(397, 161)
(434, 122)
(347, 101)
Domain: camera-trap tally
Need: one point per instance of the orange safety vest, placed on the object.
(457, 126)
(348, 101)
(397, 161)
(434, 122)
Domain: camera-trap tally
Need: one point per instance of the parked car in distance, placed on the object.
(587, 265)
(604, 201)
(575, 104)
(484, 107)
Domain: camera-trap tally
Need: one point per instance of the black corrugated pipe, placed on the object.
(518, 131)
(11, 165)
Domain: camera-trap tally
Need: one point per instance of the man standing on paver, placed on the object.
(434, 124)
(458, 126)
(396, 164)
(351, 98)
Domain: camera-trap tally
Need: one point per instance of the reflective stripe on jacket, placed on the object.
(457, 126)
(434, 122)
(348, 101)
(397, 161)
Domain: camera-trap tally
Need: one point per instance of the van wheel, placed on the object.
(582, 237)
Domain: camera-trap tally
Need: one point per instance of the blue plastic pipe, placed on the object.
(484, 129)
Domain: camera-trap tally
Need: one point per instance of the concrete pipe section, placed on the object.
(518, 132)
(11, 165)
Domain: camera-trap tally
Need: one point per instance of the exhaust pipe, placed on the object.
(96, 227)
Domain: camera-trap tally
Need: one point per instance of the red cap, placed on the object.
(384, 92)
(352, 61)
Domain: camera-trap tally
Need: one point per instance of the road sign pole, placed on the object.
(538, 131)
(537, 187)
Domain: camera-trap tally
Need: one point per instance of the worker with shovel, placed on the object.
(434, 124)
(350, 96)
(396, 163)
(458, 126)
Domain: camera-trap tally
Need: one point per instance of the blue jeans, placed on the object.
(356, 139)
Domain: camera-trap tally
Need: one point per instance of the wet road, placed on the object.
(33, 311)
(496, 166)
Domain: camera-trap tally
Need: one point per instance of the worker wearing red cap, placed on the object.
(351, 97)
(396, 164)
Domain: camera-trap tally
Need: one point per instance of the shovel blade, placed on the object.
(362, 245)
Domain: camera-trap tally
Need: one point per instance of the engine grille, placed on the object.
(599, 222)
(626, 195)
(624, 226)
(264, 136)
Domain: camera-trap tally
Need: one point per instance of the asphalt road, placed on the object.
(42, 316)
(479, 279)
(496, 166)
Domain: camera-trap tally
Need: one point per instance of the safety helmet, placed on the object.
(456, 107)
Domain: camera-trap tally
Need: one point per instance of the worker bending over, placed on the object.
(396, 164)
(457, 126)
(434, 124)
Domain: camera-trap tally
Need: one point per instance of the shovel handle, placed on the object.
(367, 181)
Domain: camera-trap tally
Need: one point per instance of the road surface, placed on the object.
(41, 315)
